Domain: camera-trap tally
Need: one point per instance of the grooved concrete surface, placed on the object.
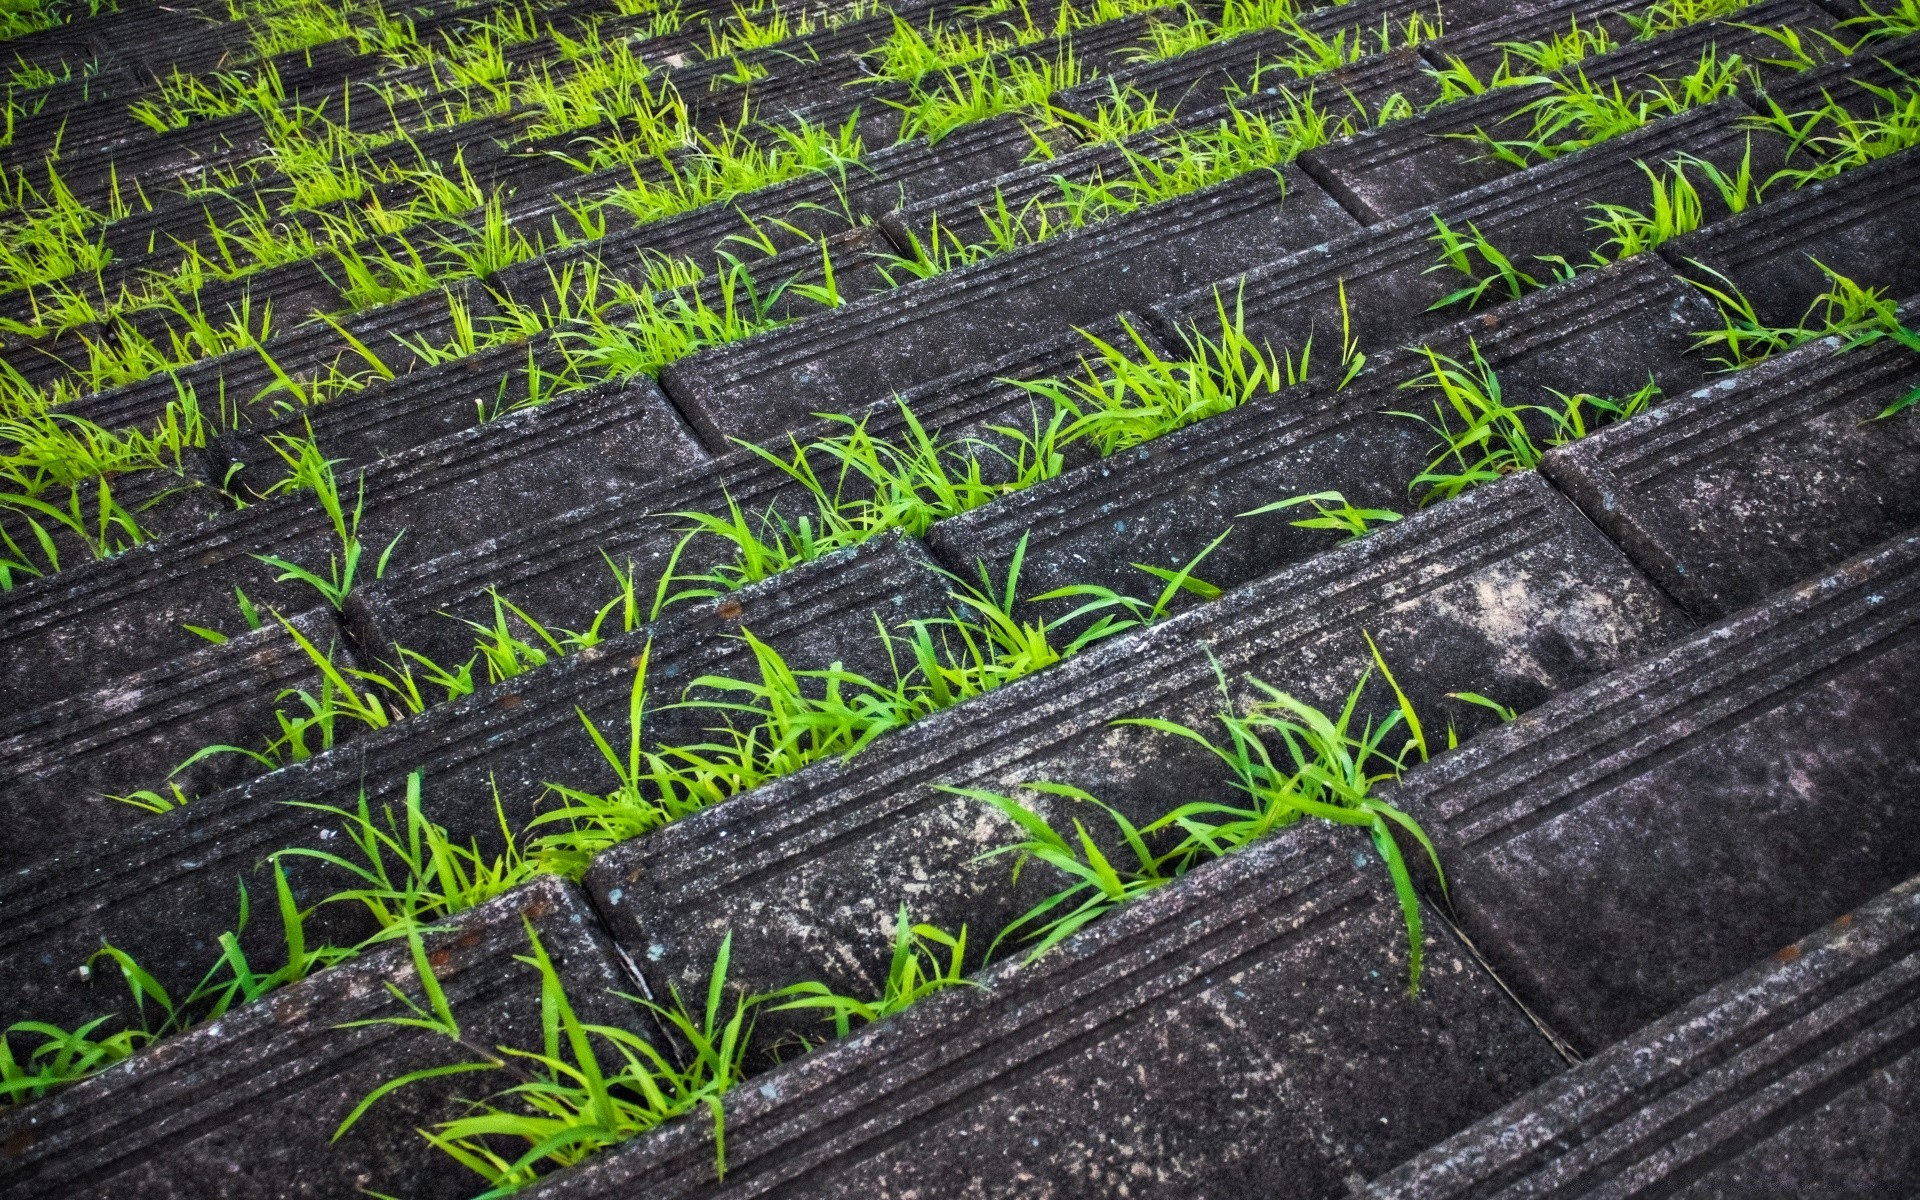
(1579, 437)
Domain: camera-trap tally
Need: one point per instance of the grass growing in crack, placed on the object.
(589, 1086)
(1331, 511)
(926, 959)
(1846, 308)
(1862, 316)
(1839, 140)
(1483, 436)
(66, 1056)
(406, 871)
(870, 485)
(788, 718)
(1288, 760)
(1580, 113)
(309, 470)
(1131, 395)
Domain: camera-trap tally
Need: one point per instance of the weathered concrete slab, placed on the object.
(1624, 848)
(62, 761)
(557, 569)
(1409, 164)
(1244, 1031)
(1507, 592)
(861, 353)
(1797, 1078)
(1859, 224)
(81, 629)
(1541, 211)
(246, 1106)
(1162, 503)
(1761, 480)
(166, 889)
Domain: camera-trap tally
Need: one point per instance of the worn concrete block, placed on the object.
(245, 1106)
(1859, 224)
(1765, 478)
(1796, 1078)
(558, 570)
(1244, 1031)
(165, 890)
(79, 630)
(1886, 63)
(1507, 592)
(863, 352)
(1623, 848)
(1541, 211)
(63, 760)
(1162, 503)
(1357, 90)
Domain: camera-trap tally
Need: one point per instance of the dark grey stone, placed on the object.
(1621, 849)
(962, 214)
(1859, 224)
(1409, 164)
(63, 760)
(1162, 503)
(1541, 211)
(1884, 63)
(557, 570)
(1797, 1078)
(1245, 1031)
(246, 1106)
(1763, 479)
(78, 630)
(861, 353)
(165, 889)
(1507, 592)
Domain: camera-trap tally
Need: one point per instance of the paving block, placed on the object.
(1796, 1078)
(1767, 477)
(1623, 848)
(867, 350)
(1162, 503)
(63, 760)
(1244, 1031)
(165, 889)
(81, 629)
(1857, 224)
(964, 214)
(1388, 271)
(1507, 592)
(1409, 164)
(246, 1106)
(558, 570)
